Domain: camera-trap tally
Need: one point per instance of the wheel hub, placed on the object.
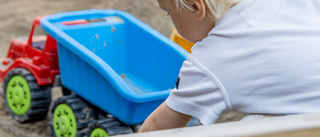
(64, 124)
(18, 95)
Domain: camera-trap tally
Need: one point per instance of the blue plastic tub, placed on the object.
(115, 61)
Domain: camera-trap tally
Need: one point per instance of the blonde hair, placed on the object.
(215, 8)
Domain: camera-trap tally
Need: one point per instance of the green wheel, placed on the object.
(99, 132)
(64, 121)
(23, 99)
(18, 95)
(107, 127)
(70, 116)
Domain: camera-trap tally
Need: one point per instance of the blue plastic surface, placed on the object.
(115, 62)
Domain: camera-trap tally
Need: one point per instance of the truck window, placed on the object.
(38, 39)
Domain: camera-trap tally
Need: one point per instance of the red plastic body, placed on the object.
(41, 62)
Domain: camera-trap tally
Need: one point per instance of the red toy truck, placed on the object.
(28, 72)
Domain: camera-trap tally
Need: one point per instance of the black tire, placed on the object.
(40, 97)
(82, 111)
(111, 126)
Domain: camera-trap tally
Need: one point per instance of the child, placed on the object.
(253, 56)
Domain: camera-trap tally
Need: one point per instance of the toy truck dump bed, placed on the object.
(114, 61)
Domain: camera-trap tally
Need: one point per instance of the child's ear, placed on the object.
(199, 8)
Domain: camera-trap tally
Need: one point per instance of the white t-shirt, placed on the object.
(262, 57)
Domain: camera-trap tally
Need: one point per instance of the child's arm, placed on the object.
(164, 118)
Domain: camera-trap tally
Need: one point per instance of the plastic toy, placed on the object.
(28, 71)
(118, 69)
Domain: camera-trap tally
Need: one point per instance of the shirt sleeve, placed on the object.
(196, 95)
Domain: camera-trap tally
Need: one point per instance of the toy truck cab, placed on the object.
(28, 72)
(37, 53)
